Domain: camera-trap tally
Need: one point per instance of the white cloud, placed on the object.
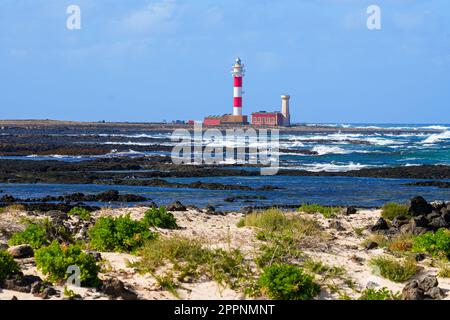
(155, 18)
(268, 61)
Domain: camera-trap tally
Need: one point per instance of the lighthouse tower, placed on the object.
(238, 72)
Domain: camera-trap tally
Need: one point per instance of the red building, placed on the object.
(263, 118)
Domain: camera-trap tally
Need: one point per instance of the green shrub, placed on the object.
(288, 282)
(40, 233)
(54, 260)
(381, 294)
(159, 217)
(437, 244)
(397, 271)
(35, 234)
(7, 265)
(391, 210)
(121, 234)
(327, 212)
(80, 212)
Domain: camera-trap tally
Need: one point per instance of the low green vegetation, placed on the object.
(391, 210)
(380, 239)
(167, 282)
(35, 234)
(436, 244)
(68, 292)
(54, 260)
(268, 220)
(359, 231)
(7, 265)
(318, 267)
(394, 270)
(282, 235)
(121, 234)
(444, 270)
(401, 243)
(39, 233)
(380, 294)
(287, 282)
(159, 217)
(82, 213)
(327, 212)
(398, 243)
(13, 208)
(275, 221)
(190, 259)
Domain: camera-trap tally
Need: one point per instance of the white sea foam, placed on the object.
(436, 127)
(438, 137)
(329, 167)
(321, 150)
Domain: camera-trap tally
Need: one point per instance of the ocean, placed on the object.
(335, 151)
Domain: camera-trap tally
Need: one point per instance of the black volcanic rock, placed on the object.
(380, 225)
(176, 206)
(419, 206)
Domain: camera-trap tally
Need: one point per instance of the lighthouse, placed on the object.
(238, 72)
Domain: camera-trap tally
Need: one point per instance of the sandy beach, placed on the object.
(343, 249)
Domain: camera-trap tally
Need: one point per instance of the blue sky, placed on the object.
(145, 60)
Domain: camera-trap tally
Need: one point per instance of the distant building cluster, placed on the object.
(283, 118)
(261, 118)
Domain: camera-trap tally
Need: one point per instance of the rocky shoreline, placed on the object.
(140, 171)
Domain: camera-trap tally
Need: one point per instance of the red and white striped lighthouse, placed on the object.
(238, 73)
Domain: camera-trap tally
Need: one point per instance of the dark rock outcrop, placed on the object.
(380, 225)
(21, 251)
(424, 288)
(419, 206)
(116, 289)
(176, 206)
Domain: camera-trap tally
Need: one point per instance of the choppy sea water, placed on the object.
(336, 151)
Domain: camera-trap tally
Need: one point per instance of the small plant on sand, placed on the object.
(379, 239)
(167, 282)
(444, 270)
(327, 212)
(437, 244)
(54, 260)
(359, 231)
(82, 213)
(391, 210)
(121, 234)
(159, 217)
(394, 270)
(190, 259)
(287, 282)
(401, 243)
(40, 233)
(380, 294)
(68, 292)
(318, 267)
(283, 234)
(7, 265)
(275, 221)
(13, 208)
